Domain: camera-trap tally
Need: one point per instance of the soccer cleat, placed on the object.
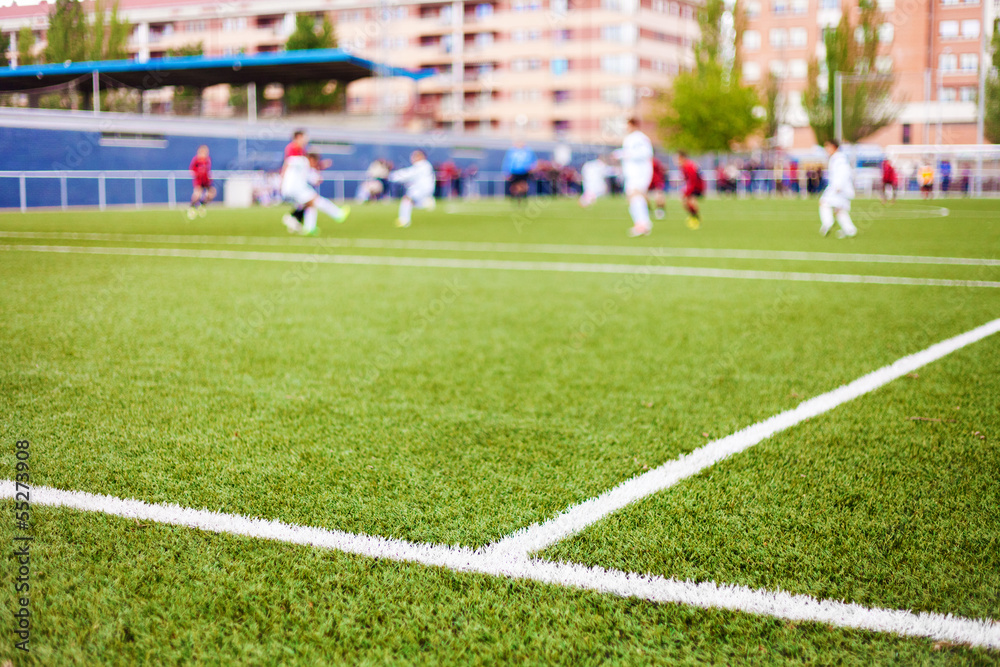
(400, 223)
(659, 214)
(639, 231)
(841, 234)
(823, 231)
(693, 222)
(344, 212)
(202, 211)
(312, 232)
(191, 214)
(431, 204)
(291, 224)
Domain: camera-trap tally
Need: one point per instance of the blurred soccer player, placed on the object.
(295, 187)
(517, 165)
(694, 187)
(889, 181)
(201, 173)
(594, 177)
(419, 181)
(293, 221)
(636, 155)
(838, 194)
(658, 188)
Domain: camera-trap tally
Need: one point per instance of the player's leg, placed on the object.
(638, 209)
(694, 214)
(309, 220)
(338, 213)
(825, 217)
(405, 211)
(659, 205)
(847, 228)
(209, 195)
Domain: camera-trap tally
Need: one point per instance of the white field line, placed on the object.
(578, 517)
(519, 248)
(505, 265)
(707, 595)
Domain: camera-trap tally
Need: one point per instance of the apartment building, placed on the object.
(933, 48)
(542, 68)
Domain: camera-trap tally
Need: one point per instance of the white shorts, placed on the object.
(596, 188)
(299, 193)
(835, 201)
(637, 179)
(419, 195)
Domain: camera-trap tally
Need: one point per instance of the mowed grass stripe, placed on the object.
(509, 265)
(513, 248)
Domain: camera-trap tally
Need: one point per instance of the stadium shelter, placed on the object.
(286, 67)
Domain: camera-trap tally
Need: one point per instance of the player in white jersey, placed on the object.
(838, 193)
(419, 181)
(295, 187)
(636, 155)
(594, 175)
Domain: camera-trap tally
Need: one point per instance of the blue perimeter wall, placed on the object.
(33, 149)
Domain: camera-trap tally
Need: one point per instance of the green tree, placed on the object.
(709, 108)
(867, 104)
(67, 34)
(318, 95)
(187, 99)
(773, 107)
(991, 119)
(4, 47)
(26, 47)
(107, 37)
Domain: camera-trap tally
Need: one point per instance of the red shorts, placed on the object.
(658, 182)
(202, 181)
(693, 191)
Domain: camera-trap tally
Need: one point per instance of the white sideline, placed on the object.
(505, 265)
(707, 595)
(578, 517)
(522, 248)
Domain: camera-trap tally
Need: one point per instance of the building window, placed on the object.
(967, 93)
(829, 4)
(800, 6)
(798, 69)
(969, 62)
(949, 94)
(624, 33)
(484, 10)
(885, 33)
(751, 72)
(624, 63)
(948, 29)
(622, 96)
(970, 28)
(778, 68)
(907, 134)
(781, 7)
(559, 66)
(751, 40)
(947, 62)
(883, 64)
(886, 6)
(798, 37)
(753, 10)
(561, 96)
(778, 38)
(561, 35)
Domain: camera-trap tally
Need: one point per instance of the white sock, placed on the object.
(327, 206)
(405, 210)
(846, 224)
(825, 218)
(309, 219)
(639, 211)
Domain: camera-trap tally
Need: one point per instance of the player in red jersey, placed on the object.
(201, 174)
(694, 187)
(658, 188)
(889, 181)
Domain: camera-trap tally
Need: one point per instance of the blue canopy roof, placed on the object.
(201, 71)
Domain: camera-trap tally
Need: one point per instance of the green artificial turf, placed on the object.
(458, 405)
